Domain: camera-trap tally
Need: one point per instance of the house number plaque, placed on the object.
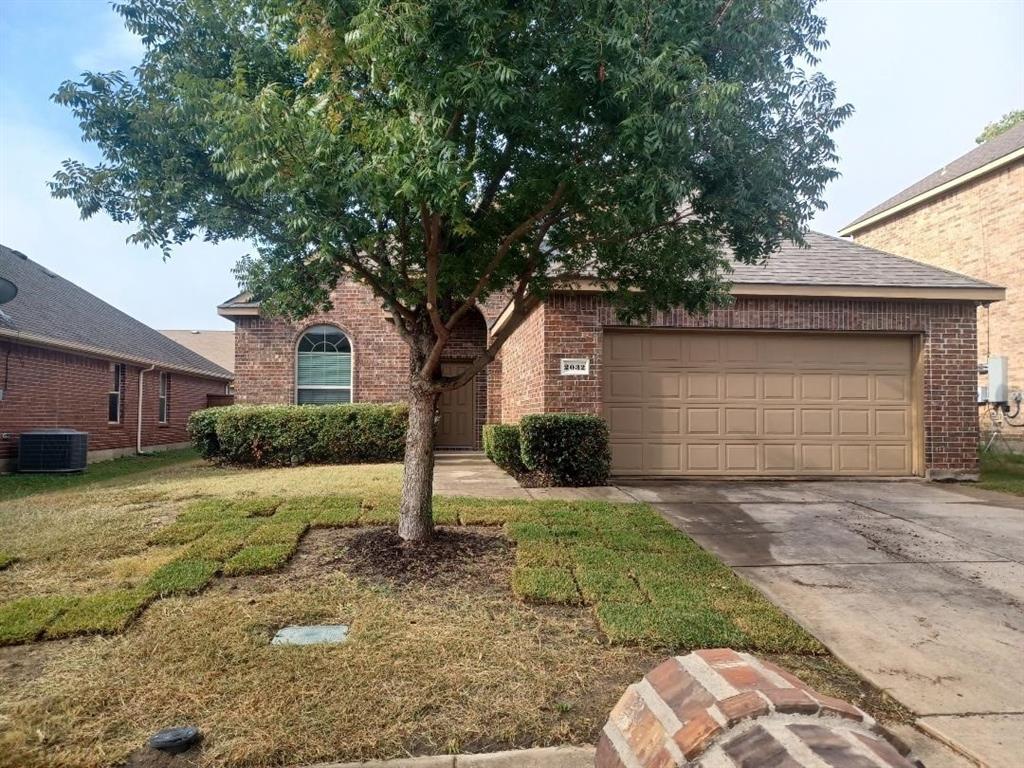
(575, 366)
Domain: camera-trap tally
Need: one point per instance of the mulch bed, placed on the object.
(455, 555)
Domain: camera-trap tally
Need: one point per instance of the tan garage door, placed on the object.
(722, 403)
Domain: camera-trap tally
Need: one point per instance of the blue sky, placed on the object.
(924, 75)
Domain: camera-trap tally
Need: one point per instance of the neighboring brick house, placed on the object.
(833, 360)
(967, 217)
(68, 359)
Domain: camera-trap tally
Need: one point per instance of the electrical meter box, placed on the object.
(998, 379)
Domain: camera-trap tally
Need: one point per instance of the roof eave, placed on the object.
(36, 340)
(858, 225)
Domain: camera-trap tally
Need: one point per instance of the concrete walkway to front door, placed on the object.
(468, 473)
(917, 586)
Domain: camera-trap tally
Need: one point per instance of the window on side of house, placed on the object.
(323, 367)
(115, 396)
(165, 397)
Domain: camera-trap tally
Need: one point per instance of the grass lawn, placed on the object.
(146, 599)
(1002, 472)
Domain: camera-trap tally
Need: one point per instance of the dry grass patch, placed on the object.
(425, 671)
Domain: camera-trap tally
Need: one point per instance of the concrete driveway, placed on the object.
(919, 587)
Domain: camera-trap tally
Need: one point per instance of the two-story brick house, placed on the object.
(835, 359)
(967, 217)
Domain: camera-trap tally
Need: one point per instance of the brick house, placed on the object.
(968, 217)
(68, 359)
(836, 359)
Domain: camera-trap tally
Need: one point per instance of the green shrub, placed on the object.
(501, 445)
(281, 435)
(202, 430)
(566, 448)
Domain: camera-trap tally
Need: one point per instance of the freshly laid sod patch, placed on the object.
(1002, 472)
(182, 577)
(648, 583)
(543, 584)
(25, 619)
(258, 559)
(102, 612)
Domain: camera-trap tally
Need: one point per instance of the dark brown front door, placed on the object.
(455, 428)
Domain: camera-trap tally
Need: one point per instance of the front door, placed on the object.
(457, 411)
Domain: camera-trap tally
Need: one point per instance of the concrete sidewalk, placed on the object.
(544, 757)
(473, 474)
(916, 586)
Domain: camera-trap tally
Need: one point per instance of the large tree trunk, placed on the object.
(415, 515)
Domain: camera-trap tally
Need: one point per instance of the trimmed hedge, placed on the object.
(501, 445)
(566, 448)
(281, 435)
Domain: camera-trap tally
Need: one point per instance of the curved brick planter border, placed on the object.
(723, 709)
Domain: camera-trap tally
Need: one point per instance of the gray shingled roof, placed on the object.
(55, 309)
(834, 261)
(826, 261)
(980, 156)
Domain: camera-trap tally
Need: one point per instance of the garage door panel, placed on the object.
(623, 385)
(703, 457)
(626, 420)
(891, 422)
(779, 422)
(741, 421)
(854, 459)
(662, 385)
(702, 421)
(627, 456)
(816, 386)
(816, 457)
(816, 421)
(854, 386)
(702, 386)
(779, 386)
(892, 387)
(662, 421)
(699, 402)
(740, 386)
(741, 458)
(703, 349)
(780, 458)
(665, 457)
(665, 347)
(854, 423)
(892, 459)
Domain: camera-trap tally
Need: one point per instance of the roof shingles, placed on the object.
(992, 150)
(49, 307)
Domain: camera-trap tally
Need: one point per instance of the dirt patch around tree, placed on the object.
(473, 558)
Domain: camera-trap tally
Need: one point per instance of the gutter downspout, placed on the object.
(138, 434)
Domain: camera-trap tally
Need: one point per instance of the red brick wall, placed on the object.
(976, 229)
(265, 351)
(571, 325)
(522, 368)
(47, 388)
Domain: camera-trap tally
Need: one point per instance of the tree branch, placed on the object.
(503, 248)
(491, 190)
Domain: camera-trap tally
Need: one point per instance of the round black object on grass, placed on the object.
(175, 740)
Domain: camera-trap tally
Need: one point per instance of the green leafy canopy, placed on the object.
(444, 150)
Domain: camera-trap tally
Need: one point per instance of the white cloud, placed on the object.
(116, 48)
(180, 293)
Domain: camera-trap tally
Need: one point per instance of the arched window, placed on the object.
(324, 366)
